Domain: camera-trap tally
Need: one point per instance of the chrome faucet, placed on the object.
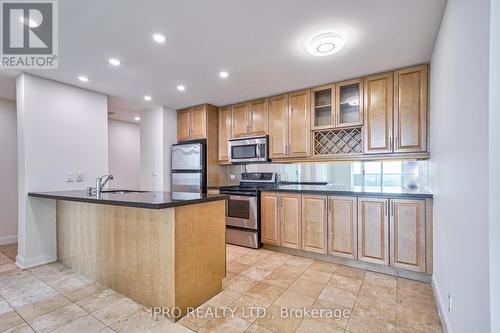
(99, 184)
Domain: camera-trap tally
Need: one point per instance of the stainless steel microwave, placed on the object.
(249, 150)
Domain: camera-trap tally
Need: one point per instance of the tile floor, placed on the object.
(259, 288)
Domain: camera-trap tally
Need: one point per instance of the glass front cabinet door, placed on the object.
(349, 103)
(323, 107)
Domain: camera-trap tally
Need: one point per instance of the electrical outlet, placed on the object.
(79, 177)
(70, 177)
(450, 304)
(231, 176)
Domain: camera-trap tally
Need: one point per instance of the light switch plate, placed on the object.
(70, 177)
(79, 177)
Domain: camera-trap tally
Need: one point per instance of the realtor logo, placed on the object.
(29, 34)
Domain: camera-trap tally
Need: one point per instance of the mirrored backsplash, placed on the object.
(387, 174)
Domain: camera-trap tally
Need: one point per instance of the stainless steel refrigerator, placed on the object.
(189, 167)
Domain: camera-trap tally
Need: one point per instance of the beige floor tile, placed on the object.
(332, 314)
(350, 272)
(57, 318)
(282, 277)
(39, 291)
(236, 267)
(316, 276)
(13, 275)
(167, 326)
(377, 291)
(345, 283)
(71, 284)
(10, 251)
(23, 328)
(241, 284)
(199, 317)
(416, 286)
(85, 324)
(254, 328)
(275, 322)
(255, 273)
(316, 326)
(9, 319)
(41, 307)
(116, 311)
(337, 296)
(224, 325)
(407, 297)
(248, 259)
(5, 260)
(421, 318)
(224, 298)
(265, 292)
(138, 321)
(306, 287)
(8, 267)
(380, 279)
(100, 300)
(384, 310)
(292, 300)
(363, 322)
(85, 291)
(270, 263)
(249, 308)
(324, 267)
(300, 262)
(227, 280)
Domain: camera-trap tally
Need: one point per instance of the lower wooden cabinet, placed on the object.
(373, 230)
(342, 227)
(314, 223)
(407, 234)
(270, 218)
(281, 219)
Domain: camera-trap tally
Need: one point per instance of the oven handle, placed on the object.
(257, 153)
(242, 197)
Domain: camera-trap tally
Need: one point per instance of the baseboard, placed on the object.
(6, 240)
(441, 308)
(33, 262)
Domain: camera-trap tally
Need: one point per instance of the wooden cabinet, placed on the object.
(314, 223)
(278, 126)
(270, 218)
(224, 134)
(407, 234)
(192, 123)
(342, 226)
(373, 230)
(410, 109)
(349, 103)
(291, 218)
(213, 191)
(378, 114)
(250, 119)
(323, 107)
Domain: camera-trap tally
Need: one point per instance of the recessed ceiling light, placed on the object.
(180, 87)
(223, 74)
(83, 78)
(325, 44)
(137, 118)
(114, 61)
(159, 38)
(147, 98)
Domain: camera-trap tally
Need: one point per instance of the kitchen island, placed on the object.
(161, 249)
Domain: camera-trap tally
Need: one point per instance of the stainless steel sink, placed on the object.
(123, 191)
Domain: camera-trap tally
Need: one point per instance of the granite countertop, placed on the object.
(354, 190)
(151, 200)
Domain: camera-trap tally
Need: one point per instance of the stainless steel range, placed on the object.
(243, 208)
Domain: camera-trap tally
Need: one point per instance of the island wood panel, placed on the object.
(410, 109)
(407, 234)
(258, 117)
(239, 120)
(299, 122)
(224, 133)
(278, 126)
(342, 226)
(314, 224)
(373, 230)
(270, 218)
(156, 257)
(291, 214)
(429, 248)
(378, 112)
(199, 122)
(183, 125)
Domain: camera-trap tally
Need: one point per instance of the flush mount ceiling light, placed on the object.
(159, 38)
(137, 118)
(223, 74)
(325, 44)
(83, 78)
(114, 61)
(180, 87)
(147, 98)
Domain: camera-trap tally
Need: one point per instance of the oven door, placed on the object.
(241, 211)
(248, 150)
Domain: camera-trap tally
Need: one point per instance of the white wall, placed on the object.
(60, 129)
(458, 169)
(124, 154)
(495, 165)
(8, 172)
(169, 138)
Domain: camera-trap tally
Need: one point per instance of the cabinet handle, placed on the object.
(392, 208)
(385, 208)
(390, 143)
(396, 146)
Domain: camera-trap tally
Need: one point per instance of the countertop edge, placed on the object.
(352, 193)
(129, 203)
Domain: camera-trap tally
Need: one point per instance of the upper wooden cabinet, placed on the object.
(323, 107)
(224, 133)
(250, 119)
(289, 125)
(410, 109)
(342, 226)
(314, 223)
(407, 234)
(373, 230)
(192, 123)
(349, 103)
(378, 113)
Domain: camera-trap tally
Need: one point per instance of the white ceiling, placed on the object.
(259, 42)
